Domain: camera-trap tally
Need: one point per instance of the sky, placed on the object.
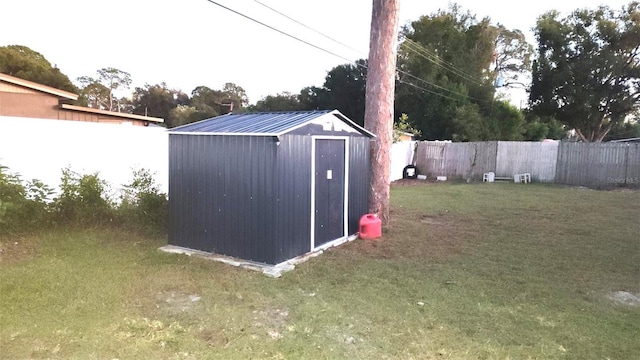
(189, 43)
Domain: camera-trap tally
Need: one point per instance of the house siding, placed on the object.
(44, 106)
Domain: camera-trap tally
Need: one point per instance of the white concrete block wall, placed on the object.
(401, 156)
(41, 148)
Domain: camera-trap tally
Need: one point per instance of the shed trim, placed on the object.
(222, 134)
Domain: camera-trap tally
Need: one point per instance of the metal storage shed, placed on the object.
(267, 187)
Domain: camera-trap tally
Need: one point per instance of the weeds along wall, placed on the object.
(41, 148)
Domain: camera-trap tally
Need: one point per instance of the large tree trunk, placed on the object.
(378, 115)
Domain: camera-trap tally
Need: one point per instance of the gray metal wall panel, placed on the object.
(293, 212)
(221, 194)
(249, 197)
(358, 181)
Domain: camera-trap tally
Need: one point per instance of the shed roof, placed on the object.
(261, 123)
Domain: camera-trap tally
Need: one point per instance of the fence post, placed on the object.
(626, 165)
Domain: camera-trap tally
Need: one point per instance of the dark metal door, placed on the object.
(329, 190)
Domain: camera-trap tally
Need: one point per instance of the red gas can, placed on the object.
(370, 227)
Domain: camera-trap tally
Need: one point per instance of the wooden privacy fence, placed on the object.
(586, 164)
(599, 164)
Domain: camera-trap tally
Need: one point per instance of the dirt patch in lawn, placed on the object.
(175, 302)
(17, 249)
(420, 236)
(624, 298)
(273, 320)
(412, 182)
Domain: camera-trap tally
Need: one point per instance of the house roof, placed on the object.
(38, 87)
(261, 123)
(111, 113)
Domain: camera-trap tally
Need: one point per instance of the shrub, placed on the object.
(143, 204)
(83, 199)
(23, 206)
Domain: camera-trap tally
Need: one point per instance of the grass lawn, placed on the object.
(469, 271)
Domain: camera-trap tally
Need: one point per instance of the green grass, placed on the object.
(473, 271)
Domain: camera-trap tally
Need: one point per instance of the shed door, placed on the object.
(329, 190)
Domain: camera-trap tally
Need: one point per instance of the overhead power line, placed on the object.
(339, 56)
(279, 31)
(435, 59)
(439, 87)
(308, 27)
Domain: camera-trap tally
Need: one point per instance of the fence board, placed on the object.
(537, 158)
(583, 164)
(456, 160)
(633, 165)
(598, 164)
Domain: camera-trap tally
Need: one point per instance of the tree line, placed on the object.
(452, 73)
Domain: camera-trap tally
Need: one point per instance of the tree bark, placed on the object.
(380, 88)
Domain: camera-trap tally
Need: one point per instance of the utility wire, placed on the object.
(438, 60)
(440, 87)
(435, 59)
(308, 27)
(427, 90)
(279, 31)
(339, 56)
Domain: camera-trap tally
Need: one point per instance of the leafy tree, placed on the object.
(93, 94)
(626, 130)
(284, 101)
(402, 126)
(157, 100)
(310, 98)
(206, 101)
(344, 89)
(587, 71)
(234, 97)
(21, 61)
(542, 127)
(448, 64)
(511, 57)
(181, 115)
(99, 92)
(467, 123)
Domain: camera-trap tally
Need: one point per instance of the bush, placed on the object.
(23, 206)
(83, 199)
(142, 202)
